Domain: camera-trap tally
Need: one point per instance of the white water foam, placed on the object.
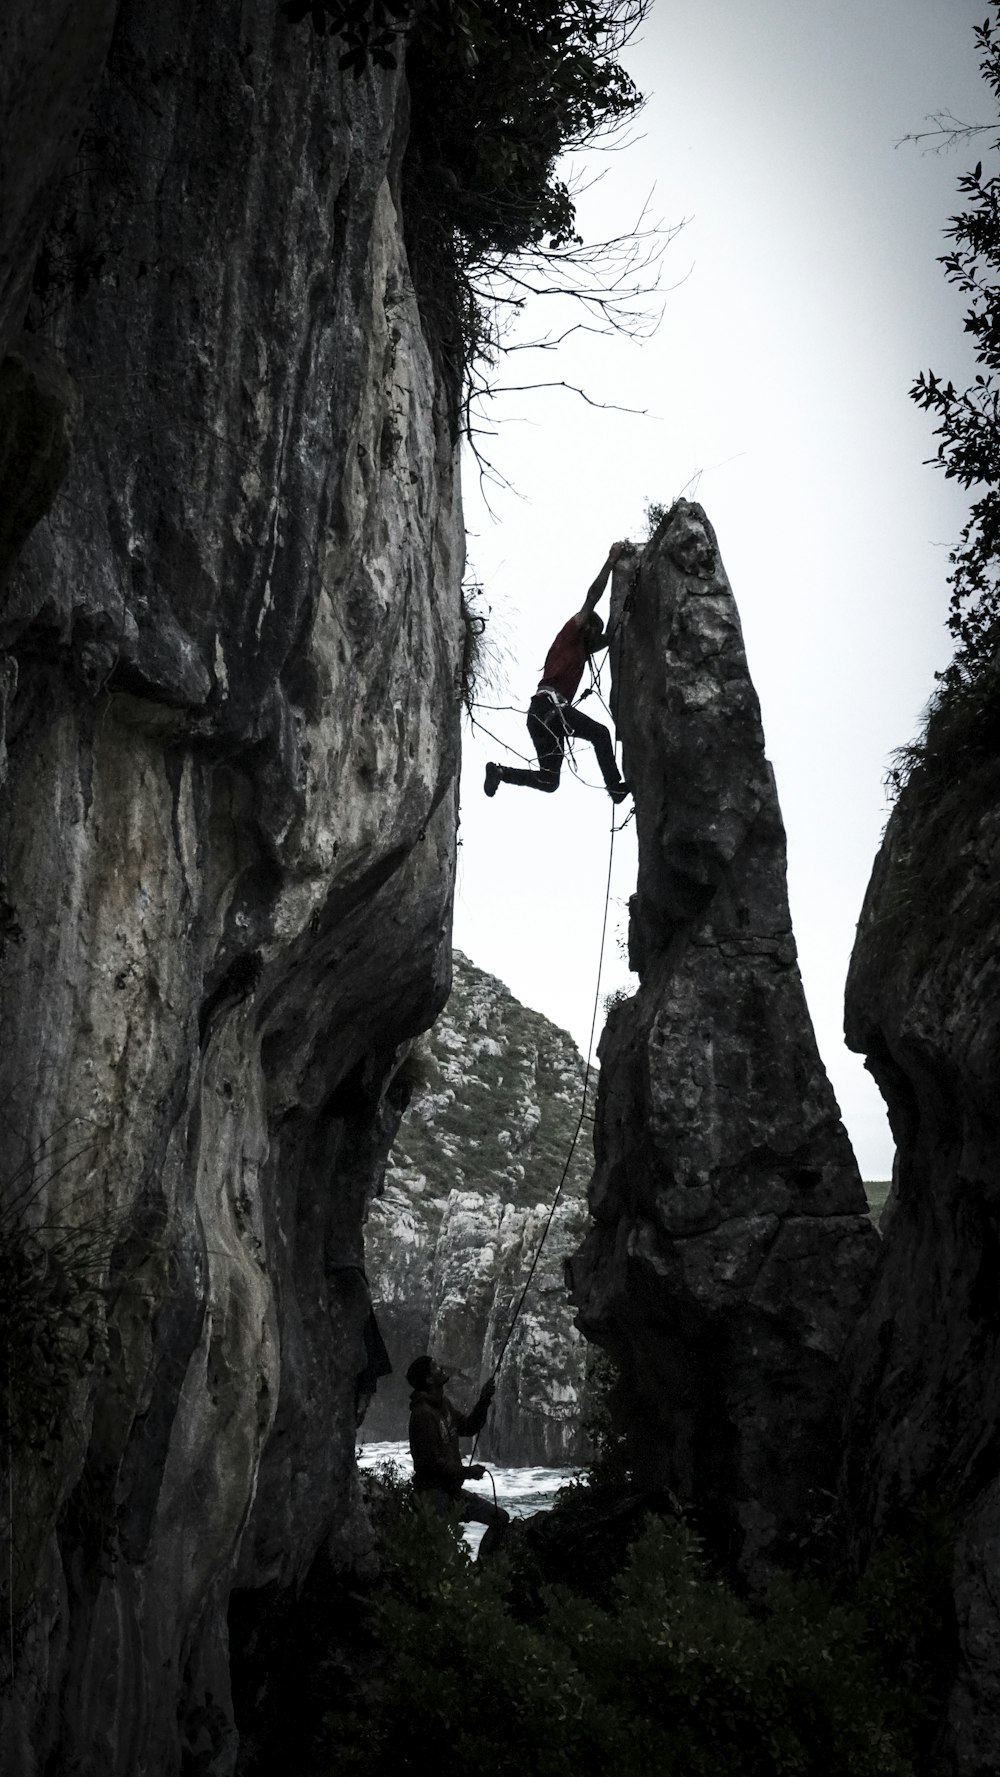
(520, 1491)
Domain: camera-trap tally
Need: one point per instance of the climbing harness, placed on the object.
(568, 738)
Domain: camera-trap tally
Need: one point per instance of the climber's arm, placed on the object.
(597, 588)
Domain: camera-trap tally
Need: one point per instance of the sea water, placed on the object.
(520, 1491)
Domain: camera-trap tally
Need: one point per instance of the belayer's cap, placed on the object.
(419, 1373)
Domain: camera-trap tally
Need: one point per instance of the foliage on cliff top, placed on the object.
(54, 1265)
(501, 90)
(490, 216)
(672, 1674)
(968, 420)
(960, 736)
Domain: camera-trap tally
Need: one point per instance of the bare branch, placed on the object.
(947, 131)
(608, 406)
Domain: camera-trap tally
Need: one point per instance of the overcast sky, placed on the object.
(808, 297)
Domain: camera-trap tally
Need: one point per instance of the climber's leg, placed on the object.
(600, 740)
(473, 1509)
(547, 731)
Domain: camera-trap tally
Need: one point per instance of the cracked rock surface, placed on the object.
(731, 1248)
(227, 838)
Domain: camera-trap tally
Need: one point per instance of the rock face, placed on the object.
(227, 852)
(51, 56)
(923, 1006)
(731, 1249)
(473, 1170)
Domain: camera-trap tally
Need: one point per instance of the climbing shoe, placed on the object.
(618, 794)
(492, 779)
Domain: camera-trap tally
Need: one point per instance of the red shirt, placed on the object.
(565, 660)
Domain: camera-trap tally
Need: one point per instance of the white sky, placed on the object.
(778, 378)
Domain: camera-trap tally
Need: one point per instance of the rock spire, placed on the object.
(731, 1246)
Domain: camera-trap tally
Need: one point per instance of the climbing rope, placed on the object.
(501, 743)
(593, 689)
(576, 1133)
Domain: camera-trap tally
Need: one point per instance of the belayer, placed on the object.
(551, 712)
(435, 1428)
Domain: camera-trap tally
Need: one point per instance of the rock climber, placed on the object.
(551, 712)
(435, 1428)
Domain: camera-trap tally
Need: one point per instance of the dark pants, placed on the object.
(548, 724)
(471, 1508)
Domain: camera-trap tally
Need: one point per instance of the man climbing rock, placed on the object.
(435, 1428)
(551, 712)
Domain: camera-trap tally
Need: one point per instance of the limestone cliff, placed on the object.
(923, 1006)
(478, 1156)
(731, 1249)
(226, 843)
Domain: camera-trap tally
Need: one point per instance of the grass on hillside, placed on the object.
(877, 1192)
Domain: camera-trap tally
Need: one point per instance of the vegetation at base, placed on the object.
(53, 1287)
(609, 1458)
(668, 1672)
(905, 1597)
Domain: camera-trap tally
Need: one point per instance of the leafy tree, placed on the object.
(969, 419)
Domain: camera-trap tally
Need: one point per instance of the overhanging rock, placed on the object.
(730, 1249)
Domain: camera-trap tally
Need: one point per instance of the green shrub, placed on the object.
(961, 734)
(655, 513)
(673, 1675)
(53, 1283)
(905, 1598)
(609, 1464)
(481, 667)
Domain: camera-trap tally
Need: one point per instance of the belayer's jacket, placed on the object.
(435, 1429)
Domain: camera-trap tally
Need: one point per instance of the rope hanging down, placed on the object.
(576, 1133)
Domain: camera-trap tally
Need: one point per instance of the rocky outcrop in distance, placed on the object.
(731, 1250)
(497, 1092)
(923, 1007)
(229, 666)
